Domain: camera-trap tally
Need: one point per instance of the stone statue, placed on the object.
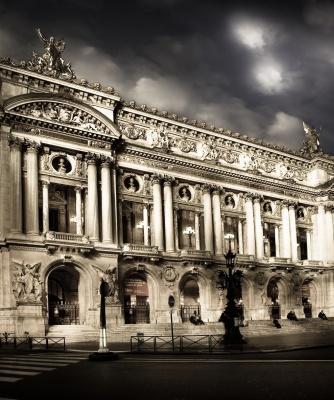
(311, 144)
(50, 62)
(27, 286)
(110, 276)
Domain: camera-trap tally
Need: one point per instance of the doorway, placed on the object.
(136, 300)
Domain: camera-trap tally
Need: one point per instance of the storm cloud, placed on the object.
(253, 67)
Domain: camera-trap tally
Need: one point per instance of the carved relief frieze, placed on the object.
(206, 147)
(27, 284)
(61, 114)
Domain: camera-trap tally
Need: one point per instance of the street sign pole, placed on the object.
(171, 303)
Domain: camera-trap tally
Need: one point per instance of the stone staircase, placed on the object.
(122, 332)
(74, 333)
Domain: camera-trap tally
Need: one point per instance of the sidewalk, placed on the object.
(275, 343)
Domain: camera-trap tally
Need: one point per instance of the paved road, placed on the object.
(304, 374)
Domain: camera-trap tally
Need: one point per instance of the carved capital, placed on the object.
(206, 188)
(78, 189)
(168, 180)
(91, 158)
(329, 207)
(45, 183)
(105, 161)
(155, 179)
(15, 143)
(32, 147)
(217, 190)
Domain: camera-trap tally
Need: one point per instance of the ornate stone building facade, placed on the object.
(93, 186)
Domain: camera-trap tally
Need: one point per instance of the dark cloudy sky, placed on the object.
(256, 67)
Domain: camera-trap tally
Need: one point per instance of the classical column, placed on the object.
(240, 237)
(250, 224)
(16, 185)
(329, 232)
(207, 204)
(293, 232)
(321, 239)
(197, 231)
(106, 203)
(314, 234)
(45, 195)
(146, 225)
(176, 229)
(93, 206)
(78, 213)
(217, 227)
(286, 244)
(277, 241)
(31, 198)
(168, 213)
(157, 212)
(308, 244)
(258, 228)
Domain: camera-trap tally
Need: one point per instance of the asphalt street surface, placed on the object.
(299, 374)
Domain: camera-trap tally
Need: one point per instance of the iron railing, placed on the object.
(180, 343)
(64, 314)
(31, 342)
(139, 314)
(188, 311)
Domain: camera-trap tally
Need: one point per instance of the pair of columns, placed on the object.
(92, 210)
(163, 209)
(30, 188)
(254, 229)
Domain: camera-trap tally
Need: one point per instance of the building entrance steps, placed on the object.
(123, 332)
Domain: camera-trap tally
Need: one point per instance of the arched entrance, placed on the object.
(63, 296)
(273, 295)
(136, 299)
(190, 299)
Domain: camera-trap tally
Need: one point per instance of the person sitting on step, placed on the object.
(277, 324)
(292, 316)
(322, 315)
(196, 319)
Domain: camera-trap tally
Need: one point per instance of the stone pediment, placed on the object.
(60, 113)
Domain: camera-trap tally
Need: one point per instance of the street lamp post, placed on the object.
(103, 352)
(230, 316)
(189, 231)
(171, 303)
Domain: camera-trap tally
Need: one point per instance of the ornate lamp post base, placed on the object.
(230, 316)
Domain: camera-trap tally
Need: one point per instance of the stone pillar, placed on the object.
(16, 185)
(240, 237)
(293, 232)
(197, 231)
(277, 241)
(157, 212)
(176, 229)
(321, 239)
(168, 213)
(78, 212)
(314, 235)
(329, 232)
(217, 227)
(45, 193)
(286, 245)
(208, 232)
(250, 224)
(308, 244)
(146, 225)
(31, 198)
(106, 203)
(93, 205)
(258, 228)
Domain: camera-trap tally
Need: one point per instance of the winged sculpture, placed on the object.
(109, 275)
(27, 285)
